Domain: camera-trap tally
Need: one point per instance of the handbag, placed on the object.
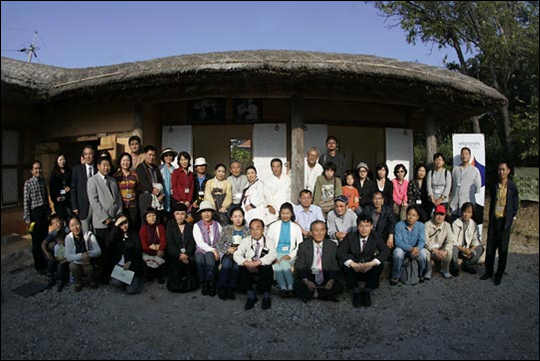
(326, 206)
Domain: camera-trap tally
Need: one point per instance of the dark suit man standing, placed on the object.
(316, 266)
(363, 254)
(149, 176)
(79, 195)
(502, 213)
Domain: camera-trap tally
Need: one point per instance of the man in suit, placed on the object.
(384, 221)
(502, 213)
(106, 203)
(362, 254)
(149, 176)
(79, 194)
(317, 269)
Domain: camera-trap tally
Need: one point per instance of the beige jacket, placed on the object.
(471, 233)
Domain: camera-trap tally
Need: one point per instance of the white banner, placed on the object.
(475, 142)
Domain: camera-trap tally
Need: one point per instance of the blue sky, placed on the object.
(82, 34)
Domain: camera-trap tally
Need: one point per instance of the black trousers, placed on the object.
(371, 277)
(41, 229)
(263, 277)
(303, 292)
(104, 263)
(498, 239)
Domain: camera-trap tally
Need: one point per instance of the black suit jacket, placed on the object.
(365, 192)
(145, 179)
(512, 204)
(350, 249)
(387, 221)
(304, 260)
(79, 195)
(176, 241)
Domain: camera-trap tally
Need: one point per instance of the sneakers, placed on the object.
(446, 275)
(250, 303)
(422, 279)
(59, 286)
(394, 281)
(230, 294)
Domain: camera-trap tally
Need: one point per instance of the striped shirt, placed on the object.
(35, 195)
(129, 188)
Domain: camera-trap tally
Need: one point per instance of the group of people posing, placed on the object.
(192, 230)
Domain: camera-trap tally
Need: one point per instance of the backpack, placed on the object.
(409, 271)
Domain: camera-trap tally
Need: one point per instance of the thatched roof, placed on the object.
(362, 77)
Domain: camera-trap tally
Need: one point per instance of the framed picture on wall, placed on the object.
(208, 110)
(247, 110)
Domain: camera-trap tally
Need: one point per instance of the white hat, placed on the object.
(200, 161)
(206, 205)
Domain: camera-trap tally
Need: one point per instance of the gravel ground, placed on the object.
(460, 318)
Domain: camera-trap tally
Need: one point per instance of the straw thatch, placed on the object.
(311, 74)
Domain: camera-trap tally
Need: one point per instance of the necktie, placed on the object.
(364, 242)
(319, 277)
(90, 172)
(257, 248)
(108, 184)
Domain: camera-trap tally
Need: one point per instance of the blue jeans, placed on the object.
(206, 266)
(283, 273)
(399, 255)
(228, 273)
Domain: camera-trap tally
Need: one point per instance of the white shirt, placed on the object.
(311, 174)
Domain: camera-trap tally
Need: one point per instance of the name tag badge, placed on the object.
(186, 190)
(314, 271)
(500, 209)
(129, 196)
(418, 201)
(62, 191)
(237, 240)
(238, 196)
(201, 193)
(285, 249)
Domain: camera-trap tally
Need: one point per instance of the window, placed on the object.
(241, 152)
(10, 167)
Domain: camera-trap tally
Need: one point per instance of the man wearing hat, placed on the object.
(207, 233)
(167, 168)
(439, 242)
(341, 220)
(201, 177)
(365, 186)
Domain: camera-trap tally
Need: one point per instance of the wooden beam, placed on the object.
(297, 147)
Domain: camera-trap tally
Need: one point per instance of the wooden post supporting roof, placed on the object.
(430, 130)
(297, 147)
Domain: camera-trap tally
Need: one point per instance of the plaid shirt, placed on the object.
(35, 195)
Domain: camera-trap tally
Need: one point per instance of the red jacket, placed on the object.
(145, 239)
(180, 182)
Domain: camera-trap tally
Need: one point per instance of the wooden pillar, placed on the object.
(430, 130)
(138, 117)
(297, 147)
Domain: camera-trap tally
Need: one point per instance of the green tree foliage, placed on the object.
(502, 40)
